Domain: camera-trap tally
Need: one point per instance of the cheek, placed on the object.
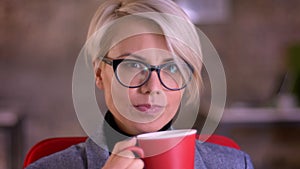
(119, 95)
(133, 95)
(174, 97)
(115, 94)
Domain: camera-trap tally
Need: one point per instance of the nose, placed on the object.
(152, 85)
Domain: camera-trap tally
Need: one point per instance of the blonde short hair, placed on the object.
(180, 34)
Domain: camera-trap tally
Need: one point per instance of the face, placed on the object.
(146, 108)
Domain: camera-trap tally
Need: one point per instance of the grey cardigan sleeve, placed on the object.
(212, 156)
(248, 162)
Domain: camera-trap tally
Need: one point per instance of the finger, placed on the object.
(136, 164)
(120, 160)
(139, 151)
(126, 154)
(120, 146)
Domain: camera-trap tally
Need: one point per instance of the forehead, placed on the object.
(143, 45)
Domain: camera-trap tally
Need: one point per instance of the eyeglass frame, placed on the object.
(115, 63)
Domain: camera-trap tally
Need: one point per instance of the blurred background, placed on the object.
(258, 42)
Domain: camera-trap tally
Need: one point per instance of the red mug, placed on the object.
(172, 149)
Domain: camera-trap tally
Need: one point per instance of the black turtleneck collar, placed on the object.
(114, 134)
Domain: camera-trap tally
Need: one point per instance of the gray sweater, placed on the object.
(89, 155)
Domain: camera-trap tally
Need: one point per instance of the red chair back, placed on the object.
(50, 146)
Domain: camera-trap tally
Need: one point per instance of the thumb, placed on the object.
(120, 146)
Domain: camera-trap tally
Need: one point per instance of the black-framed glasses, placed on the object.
(134, 73)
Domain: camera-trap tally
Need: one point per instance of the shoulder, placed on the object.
(216, 156)
(76, 157)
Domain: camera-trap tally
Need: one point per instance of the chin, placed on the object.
(147, 128)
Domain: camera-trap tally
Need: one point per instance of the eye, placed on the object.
(172, 68)
(135, 65)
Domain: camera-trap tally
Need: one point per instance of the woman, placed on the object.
(148, 66)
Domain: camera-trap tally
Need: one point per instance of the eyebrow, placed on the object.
(140, 57)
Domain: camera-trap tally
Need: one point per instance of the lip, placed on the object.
(148, 108)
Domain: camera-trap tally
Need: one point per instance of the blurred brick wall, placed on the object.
(252, 46)
(40, 41)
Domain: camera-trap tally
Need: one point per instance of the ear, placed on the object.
(98, 78)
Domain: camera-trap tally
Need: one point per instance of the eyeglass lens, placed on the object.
(133, 73)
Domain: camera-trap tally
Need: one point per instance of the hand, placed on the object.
(122, 156)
